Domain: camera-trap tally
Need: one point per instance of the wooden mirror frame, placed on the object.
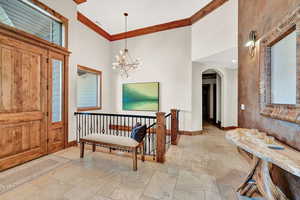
(284, 112)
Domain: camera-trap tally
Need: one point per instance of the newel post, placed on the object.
(174, 126)
(160, 137)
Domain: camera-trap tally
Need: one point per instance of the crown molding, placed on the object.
(83, 19)
(207, 10)
(80, 1)
(215, 4)
(152, 29)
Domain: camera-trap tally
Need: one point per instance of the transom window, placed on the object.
(88, 89)
(26, 16)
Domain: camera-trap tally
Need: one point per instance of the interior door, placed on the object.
(23, 102)
(56, 121)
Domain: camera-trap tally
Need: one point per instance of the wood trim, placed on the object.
(88, 69)
(152, 29)
(72, 144)
(99, 73)
(80, 1)
(89, 109)
(207, 10)
(83, 19)
(191, 133)
(228, 128)
(129, 129)
(31, 39)
(66, 99)
(50, 11)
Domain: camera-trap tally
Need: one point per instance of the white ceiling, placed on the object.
(142, 13)
(227, 58)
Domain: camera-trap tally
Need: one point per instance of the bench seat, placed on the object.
(111, 140)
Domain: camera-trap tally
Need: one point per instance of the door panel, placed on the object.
(19, 138)
(31, 82)
(8, 59)
(56, 122)
(23, 102)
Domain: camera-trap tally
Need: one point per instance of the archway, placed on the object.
(198, 70)
(212, 97)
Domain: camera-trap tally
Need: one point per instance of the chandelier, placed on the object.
(124, 62)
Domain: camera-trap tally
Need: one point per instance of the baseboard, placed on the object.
(228, 128)
(72, 144)
(191, 133)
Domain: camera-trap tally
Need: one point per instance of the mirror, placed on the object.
(279, 86)
(283, 70)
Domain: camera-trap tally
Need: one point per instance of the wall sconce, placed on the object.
(251, 44)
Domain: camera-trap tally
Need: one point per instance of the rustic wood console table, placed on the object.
(255, 146)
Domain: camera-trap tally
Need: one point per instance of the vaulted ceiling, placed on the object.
(142, 13)
(145, 16)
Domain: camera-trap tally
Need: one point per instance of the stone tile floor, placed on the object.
(202, 167)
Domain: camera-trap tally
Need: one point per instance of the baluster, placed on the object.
(117, 131)
(77, 127)
(109, 125)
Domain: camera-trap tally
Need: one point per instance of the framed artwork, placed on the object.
(141, 96)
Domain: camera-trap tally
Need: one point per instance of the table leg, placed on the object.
(259, 179)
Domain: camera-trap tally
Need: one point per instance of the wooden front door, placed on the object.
(23, 102)
(56, 106)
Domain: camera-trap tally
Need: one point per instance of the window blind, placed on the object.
(23, 16)
(87, 89)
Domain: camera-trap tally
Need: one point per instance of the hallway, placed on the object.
(202, 167)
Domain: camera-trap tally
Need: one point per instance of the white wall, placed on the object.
(88, 49)
(216, 32)
(229, 99)
(212, 35)
(166, 58)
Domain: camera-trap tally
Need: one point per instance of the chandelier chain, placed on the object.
(126, 28)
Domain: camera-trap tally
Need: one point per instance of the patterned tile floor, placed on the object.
(202, 167)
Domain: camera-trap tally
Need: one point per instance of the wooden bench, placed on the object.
(120, 142)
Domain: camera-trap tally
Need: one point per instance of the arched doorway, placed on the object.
(212, 97)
